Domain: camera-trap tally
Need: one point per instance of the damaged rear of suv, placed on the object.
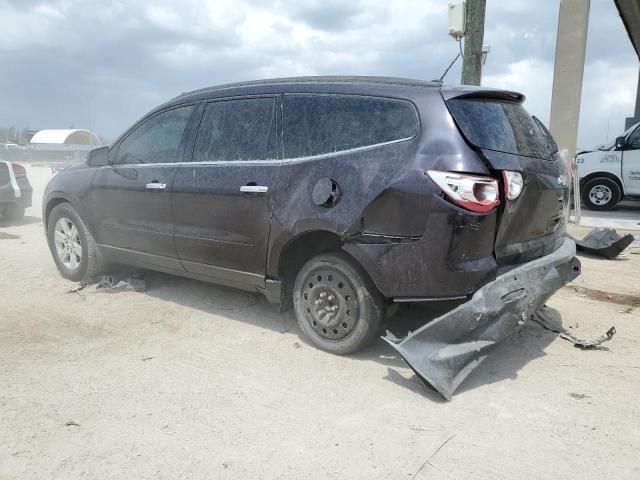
(337, 196)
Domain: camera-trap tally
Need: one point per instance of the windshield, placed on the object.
(501, 125)
(612, 143)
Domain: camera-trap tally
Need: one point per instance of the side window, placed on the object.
(633, 141)
(320, 124)
(237, 130)
(156, 140)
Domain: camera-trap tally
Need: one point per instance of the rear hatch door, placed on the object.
(507, 137)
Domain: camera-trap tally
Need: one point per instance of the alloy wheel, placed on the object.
(67, 243)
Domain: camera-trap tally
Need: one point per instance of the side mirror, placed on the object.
(98, 157)
(620, 143)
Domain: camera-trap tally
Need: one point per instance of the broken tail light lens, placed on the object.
(19, 170)
(513, 183)
(474, 192)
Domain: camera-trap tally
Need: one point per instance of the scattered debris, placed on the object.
(82, 285)
(296, 345)
(604, 242)
(145, 359)
(71, 423)
(579, 396)
(547, 322)
(122, 282)
(8, 236)
(428, 460)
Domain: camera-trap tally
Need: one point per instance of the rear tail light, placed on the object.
(473, 192)
(513, 184)
(19, 170)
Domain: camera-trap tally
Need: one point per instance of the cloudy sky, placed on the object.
(101, 64)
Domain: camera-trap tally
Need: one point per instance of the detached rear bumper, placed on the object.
(446, 350)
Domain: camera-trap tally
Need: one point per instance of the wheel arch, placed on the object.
(49, 206)
(300, 249)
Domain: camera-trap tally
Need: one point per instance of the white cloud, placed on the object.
(135, 54)
(531, 76)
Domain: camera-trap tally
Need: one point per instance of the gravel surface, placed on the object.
(190, 380)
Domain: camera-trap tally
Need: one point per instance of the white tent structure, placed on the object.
(67, 136)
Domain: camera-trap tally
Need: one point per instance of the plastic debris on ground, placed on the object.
(605, 242)
(122, 282)
(549, 323)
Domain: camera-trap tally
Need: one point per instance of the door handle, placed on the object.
(254, 189)
(156, 186)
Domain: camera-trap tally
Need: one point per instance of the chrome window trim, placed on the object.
(263, 162)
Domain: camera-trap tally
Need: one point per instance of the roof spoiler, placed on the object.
(481, 93)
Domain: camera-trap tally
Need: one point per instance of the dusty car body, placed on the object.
(15, 190)
(357, 184)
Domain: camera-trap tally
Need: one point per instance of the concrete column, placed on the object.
(567, 74)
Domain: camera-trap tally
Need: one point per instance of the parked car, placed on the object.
(15, 191)
(612, 172)
(335, 195)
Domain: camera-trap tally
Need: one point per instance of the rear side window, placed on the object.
(237, 130)
(156, 140)
(503, 126)
(321, 124)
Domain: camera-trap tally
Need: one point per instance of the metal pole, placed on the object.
(576, 192)
(473, 37)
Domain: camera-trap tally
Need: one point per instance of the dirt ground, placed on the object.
(190, 380)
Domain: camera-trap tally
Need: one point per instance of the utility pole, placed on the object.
(473, 37)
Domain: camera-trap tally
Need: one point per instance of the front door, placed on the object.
(631, 163)
(223, 200)
(131, 197)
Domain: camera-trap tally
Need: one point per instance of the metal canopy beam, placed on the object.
(629, 11)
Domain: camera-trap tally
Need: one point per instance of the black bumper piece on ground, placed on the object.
(605, 242)
(446, 350)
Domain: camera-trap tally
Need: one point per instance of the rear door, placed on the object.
(631, 163)
(509, 138)
(131, 197)
(223, 199)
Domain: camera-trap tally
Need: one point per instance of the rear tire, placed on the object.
(601, 194)
(337, 306)
(12, 212)
(72, 246)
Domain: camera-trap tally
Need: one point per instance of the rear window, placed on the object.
(503, 126)
(322, 124)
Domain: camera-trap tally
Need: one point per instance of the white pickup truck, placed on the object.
(612, 172)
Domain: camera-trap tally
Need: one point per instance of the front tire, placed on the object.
(337, 306)
(72, 245)
(601, 194)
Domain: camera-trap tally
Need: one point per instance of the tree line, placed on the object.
(13, 135)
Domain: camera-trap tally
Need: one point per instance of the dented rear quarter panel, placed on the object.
(426, 246)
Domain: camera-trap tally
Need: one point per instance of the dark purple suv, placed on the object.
(337, 196)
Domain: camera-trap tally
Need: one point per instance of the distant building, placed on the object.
(66, 137)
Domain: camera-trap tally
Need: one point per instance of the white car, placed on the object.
(609, 174)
